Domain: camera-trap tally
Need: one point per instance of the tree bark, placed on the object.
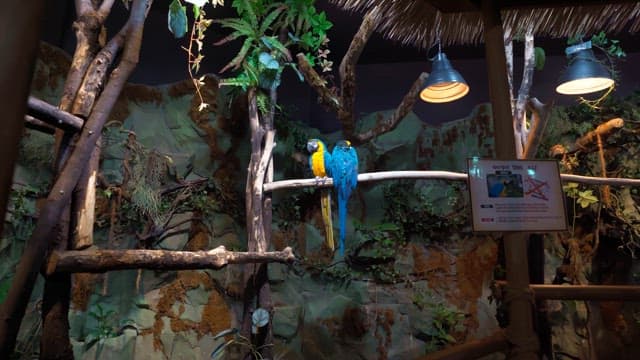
(346, 113)
(97, 261)
(85, 202)
(53, 115)
(33, 257)
(20, 29)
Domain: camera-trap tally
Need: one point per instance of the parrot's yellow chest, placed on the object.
(317, 164)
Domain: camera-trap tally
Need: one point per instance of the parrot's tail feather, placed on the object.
(342, 214)
(325, 202)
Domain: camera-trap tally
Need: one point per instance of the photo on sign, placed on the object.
(504, 184)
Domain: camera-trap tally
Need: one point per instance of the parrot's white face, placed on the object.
(313, 145)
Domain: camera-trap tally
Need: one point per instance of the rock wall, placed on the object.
(403, 289)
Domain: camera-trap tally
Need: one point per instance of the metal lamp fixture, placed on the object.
(585, 73)
(444, 84)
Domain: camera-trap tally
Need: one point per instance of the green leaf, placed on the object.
(269, 19)
(273, 43)
(177, 19)
(540, 57)
(237, 60)
(268, 61)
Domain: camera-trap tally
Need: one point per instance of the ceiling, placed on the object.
(378, 50)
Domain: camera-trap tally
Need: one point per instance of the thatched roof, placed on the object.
(418, 22)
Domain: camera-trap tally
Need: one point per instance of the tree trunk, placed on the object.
(20, 29)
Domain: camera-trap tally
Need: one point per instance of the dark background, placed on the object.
(385, 71)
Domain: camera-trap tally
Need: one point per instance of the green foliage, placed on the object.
(259, 318)
(106, 327)
(410, 208)
(177, 19)
(610, 46)
(540, 57)
(385, 238)
(264, 54)
(585, 197)
(444, 320)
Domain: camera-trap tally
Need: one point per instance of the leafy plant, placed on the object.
(106, 327)
(259, 318)
(583, 197)
(444, 320)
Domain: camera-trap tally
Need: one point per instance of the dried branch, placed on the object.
(38, 125)
(97, 73)
(401, 111)
(346, 114)
(325, 96)
(109, 260)
(589, 141)
(52, 115)
(433, 175)
(540, 114)
(519, 118)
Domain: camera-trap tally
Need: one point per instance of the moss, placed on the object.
(216, 315)
(354, 322)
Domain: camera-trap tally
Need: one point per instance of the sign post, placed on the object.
(516, 195)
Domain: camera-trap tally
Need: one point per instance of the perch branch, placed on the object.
(346, 114)
(434, 175)
(264, 163)
(588, 142)
(38, 125)
(540, 114)
(580, 292)
(52, 115)
(401, 111)
(108, 260)
(325, 96)
(520, 120)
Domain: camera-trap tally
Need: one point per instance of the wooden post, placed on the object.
(520, 329)
(20, 29)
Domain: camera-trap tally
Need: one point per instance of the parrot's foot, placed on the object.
(321, 180)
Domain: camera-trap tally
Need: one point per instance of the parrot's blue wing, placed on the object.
(345, 180)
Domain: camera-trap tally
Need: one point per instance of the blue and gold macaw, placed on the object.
(320, 164)
(345, 180)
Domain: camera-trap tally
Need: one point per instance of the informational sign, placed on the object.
(516, 195)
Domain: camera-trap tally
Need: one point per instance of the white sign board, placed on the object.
(516, 195)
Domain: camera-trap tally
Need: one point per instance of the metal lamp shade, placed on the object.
(584, 75)
(444, 84)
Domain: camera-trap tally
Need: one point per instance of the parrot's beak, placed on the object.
(312, 146)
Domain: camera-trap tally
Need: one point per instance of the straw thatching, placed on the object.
(419, 23)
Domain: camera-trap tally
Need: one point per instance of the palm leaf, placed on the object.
(273, 43)
(239, 25)
(270, 18)
(237, 60)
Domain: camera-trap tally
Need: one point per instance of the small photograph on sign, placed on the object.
(504, 184)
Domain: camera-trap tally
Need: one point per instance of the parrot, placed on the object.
(320, 164)
(345, 179)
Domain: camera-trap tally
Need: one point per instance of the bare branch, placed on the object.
(38, 125)
(325, 96)
(519, 119)
(52, 115)
(108, 260)
(264, 162)
(346, 115)
(508, 52)
(433, 175)
(540, 114)
(96, 74)
(105, 9)
(83, 7)
(401, 111)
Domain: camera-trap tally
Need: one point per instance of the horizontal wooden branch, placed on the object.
(434, 175)
(108, 260)
(52, 115)
(39, 125)
(582, 292)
